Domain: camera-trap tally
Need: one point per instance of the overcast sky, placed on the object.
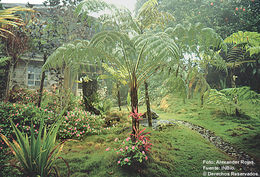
(130, 4)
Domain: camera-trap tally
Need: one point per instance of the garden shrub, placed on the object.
(22, 115)
(56, 101)
(23, 96)
(79, 123)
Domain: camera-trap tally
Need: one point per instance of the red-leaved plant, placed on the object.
(134, 150)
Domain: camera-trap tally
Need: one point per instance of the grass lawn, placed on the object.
(177, 151)
(242, 132)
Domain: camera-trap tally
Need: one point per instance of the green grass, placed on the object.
(177, 151)
(242, 132)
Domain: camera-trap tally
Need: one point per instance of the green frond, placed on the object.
(245, 39)
(159, 45)
(73, 55)
(218, 98)
(254, 50)
(88, 6)
(242, 93)
(150, 16)
(111, 38)
(4, 60)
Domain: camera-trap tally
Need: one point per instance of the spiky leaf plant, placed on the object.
(36, 156)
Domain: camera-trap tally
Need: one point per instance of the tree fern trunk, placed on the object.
(134, 105)
(118, 97)
(147, 100)
(42, 82)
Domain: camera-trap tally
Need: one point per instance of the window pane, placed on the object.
(30, 83)
(37, 76)
(30, 69)
(37, 83)
(38, 70)
(30, 76)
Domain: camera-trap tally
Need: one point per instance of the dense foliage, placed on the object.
(202, 61)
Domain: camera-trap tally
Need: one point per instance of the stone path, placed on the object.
(215, 140)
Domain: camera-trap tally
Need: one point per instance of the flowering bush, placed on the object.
(24, 96)
(133, 152)
(79, 123)
(22, 115)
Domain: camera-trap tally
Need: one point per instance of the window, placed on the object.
(34, 76)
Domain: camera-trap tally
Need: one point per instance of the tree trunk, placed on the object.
(9, 81)
(42, 82)
(233, 85)
(118, 97)
(134, 105)
(66, 78)
(201, 99)
(147, 100)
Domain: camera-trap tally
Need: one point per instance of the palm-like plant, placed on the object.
(140, 56)
(8, 17)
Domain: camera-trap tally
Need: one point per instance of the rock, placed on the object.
(154, 115)
(144, 122)
(163, 124)
(109, 121)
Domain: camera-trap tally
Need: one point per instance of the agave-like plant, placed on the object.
(36, 156)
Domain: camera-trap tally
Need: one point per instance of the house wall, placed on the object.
(20, 71)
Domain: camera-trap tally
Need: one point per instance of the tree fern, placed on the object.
(242, 93)
(219, 99)
(227, 98)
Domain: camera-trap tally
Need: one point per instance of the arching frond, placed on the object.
(158, 45)
(150, 17)
(73, 55)
(210, 39)
(88, 6)
(242, 93)
(254, 50)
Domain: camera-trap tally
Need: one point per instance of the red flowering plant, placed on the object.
(134, 151)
